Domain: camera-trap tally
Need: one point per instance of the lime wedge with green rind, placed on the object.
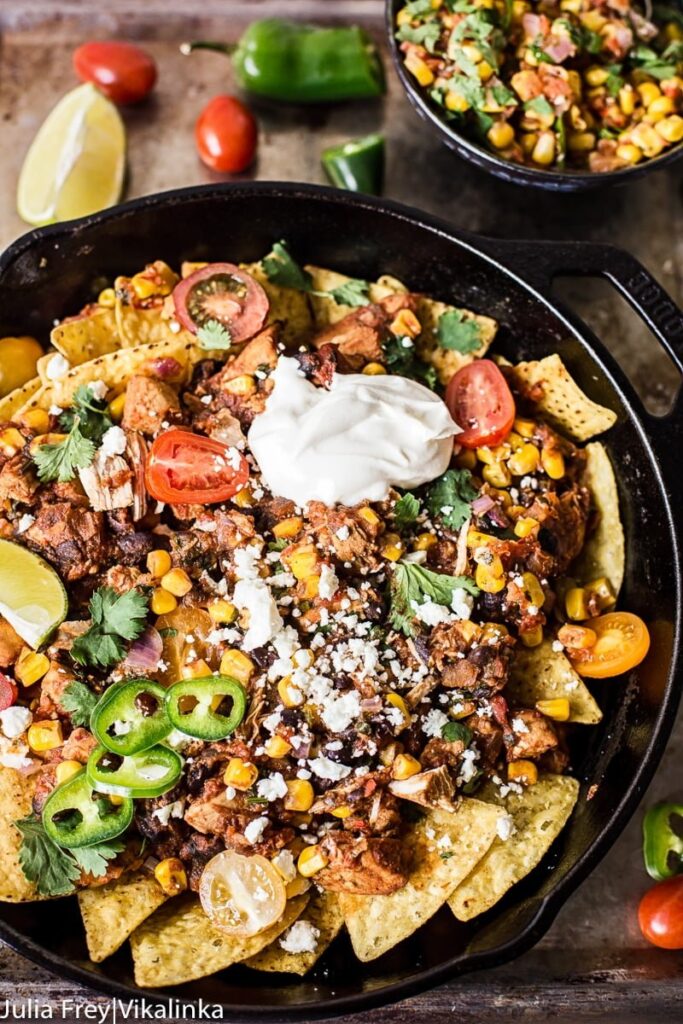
(33, 599)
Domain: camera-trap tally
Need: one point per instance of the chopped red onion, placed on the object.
(482, 504)
(165, 368)
(371, 704)
(145, 652)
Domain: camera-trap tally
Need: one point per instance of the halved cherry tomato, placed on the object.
(226, 134)
(660, 914)
(480, 402)
(123, 72)
(242, 895)
(8, 692)
(622, 642)
(224, 293)
(183, 467)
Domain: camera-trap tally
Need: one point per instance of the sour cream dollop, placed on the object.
(353, 442)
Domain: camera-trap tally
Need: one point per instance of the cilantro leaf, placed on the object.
(282, 269)
(426, 35)
(406, 510)
(89, 413)
(116, 618)
(60, 461)
(417, 7)
(79, 702)
(457, 731)
(213, 334)
(402, 359)
(94, 859)
(614, 80)
(51, 868)
(352, 293)
(449, 497)
(458, 334)
(539, 105)
(411, 584)
(658, 65)
(541, 56)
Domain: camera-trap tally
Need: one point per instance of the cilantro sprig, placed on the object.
(89, 412)
(402, 359)
(53, 869)
(449, 498)
(457, 333)
(116, 619)
(60, 461)
(411, 584)
(214, 334)
(354, 292)
(79, 702)
(406, 510)
(281, 269)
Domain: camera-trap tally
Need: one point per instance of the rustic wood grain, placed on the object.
(592, 965)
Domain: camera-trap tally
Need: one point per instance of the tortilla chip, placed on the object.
(288, 306)
(445, 361)
(178, 943)
(540, 673)
(16, 796)
(560, 400)
(87, 337)
(538, 815)
(324, 913)
(603, 553)
(446, 847)
(16, 400)
(112, 912)
(326, 311)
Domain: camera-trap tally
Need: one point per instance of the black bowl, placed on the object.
(50, 273)
(478, 154)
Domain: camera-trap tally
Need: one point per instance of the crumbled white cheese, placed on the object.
(302, 937)
(55, 410)
(557, 646)
(14, 721)
(468, 767)
(284, 862)
(177, 739)
(329, 582)
(24, 523)
(255, 829)
(120, 728)
(338, 712)
(324, 768)
(16, 761)
(57, 367)
(273, 787)
(519, 725)
(113, 441)
(247, 562)
(265, 621)
(168, 811)
(505, 826)
(342, 533)
(433, 722)
(98, 389)
(431, 613)
(152, 772)
(230, 792)
(462, 603)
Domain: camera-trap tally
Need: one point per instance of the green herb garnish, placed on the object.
(411, 584)
(449, 498)
(116, 618)
(458, 334)
(213, 334)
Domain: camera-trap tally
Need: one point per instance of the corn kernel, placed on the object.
(553, 463)
(526, 428)
(311, 587)
(497, 475)
(527, 141)
(238, 665)
(198, 669)
(532, 637)
(466, 459)
(342, 812)
(627, 100)
(311, 860)
(581, 142)
(242, 385)
(12, 440)
(660, 108)
(501, 134)
(558, 708)
(405, 324)
(162, 602)
(575, 604)
(488, 581)
(66, 770)
(176, 582)
(671, 128)
(524, 772)
(525, 526)
(397, 701)
(405, 766)
(392, 547)
(419, 70)
(475, 538)
(30, 667)
(297, 887)
(484, 70)
(455, 102)
(544, 151)
(300, 795)
(170, 874)
(369, 515)
(424, 541)
(630, 153)
(240, 774)
(244, 498)
(222, 612)
(524, 461)
(144, 287)
(533, 589)
(404, 17)
(596, 75)
(45, 735)
(289, 694)
(287, 528)
(648, 92)
(593, 20)
(277, 746)
(116, 407)
(159, 562)
(373, 369)
(604, 591)
(35, 420)
(302, 561)
(673, 32)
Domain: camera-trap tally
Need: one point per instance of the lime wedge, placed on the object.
(33, 598)
(76, 162)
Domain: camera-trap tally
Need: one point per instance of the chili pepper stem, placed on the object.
(225, 48)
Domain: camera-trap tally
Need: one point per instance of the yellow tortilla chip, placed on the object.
(540, 673)
(144, 326)
(538, 815)
(112, 912)
(561, 401)
(178, 943)
(445, 361)
(87, 337)
(603, 553)
(16, 795)
(326, 311)
(323, 912)
(288, 307)
(13, 403)
(446, 847)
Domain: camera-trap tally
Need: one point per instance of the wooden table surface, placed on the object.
(592, 964)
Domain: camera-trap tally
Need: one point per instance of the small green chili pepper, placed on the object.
(357, 165)
(131, 717)
(75, 815)
(299, 63)
(209, 708)
(141, 776)
(663, 841)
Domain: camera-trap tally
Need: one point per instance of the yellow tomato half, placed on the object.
(622, 643)
(18, 357)
(242, 895)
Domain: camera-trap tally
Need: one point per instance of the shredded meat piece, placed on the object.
(442, 752)
(18, 481)
(71, 538)
(465, 661)
(52, 686)
(108, 482)
(259, 353)
(563, 521)
(319, 366)
(196, 852)
(79, 746)
(433, 788)
(358, 336)
(343, 530)
(540, 736)
(365, 866)
(149, 401)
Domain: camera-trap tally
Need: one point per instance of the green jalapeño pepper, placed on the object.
(146, 774)
(357, 165)
(663, 841)
(209, 708)
(75, 815)
(298, 63)
(131, 717)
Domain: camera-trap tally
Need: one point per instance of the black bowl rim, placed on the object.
(517, 174)
(549, 905)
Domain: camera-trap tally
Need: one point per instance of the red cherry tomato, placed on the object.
(8, 692)
(226, 134)
(123, 72)
(480, 402)
(660, 914)
(183, 467)
(224, 293)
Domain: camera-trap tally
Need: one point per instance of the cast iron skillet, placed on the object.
(484, 158)
(50, 272)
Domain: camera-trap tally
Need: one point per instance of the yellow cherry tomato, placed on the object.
(622, 641)
(242, 895)
(18, 357)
